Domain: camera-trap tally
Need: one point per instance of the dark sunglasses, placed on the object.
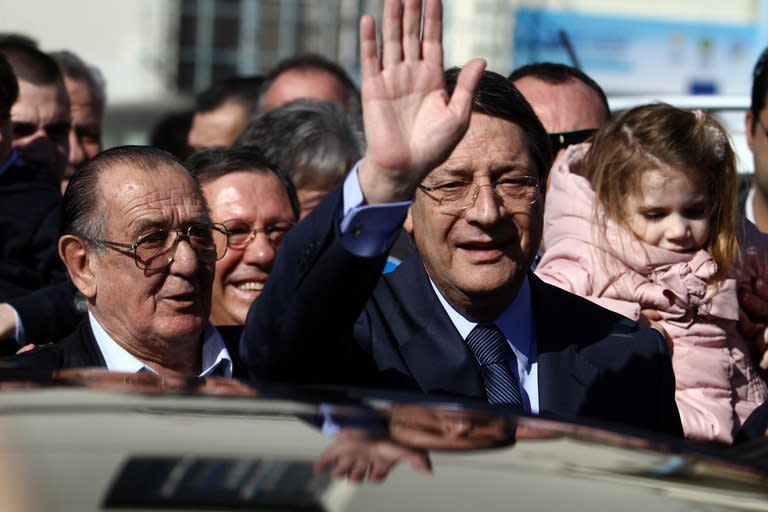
(561, 140)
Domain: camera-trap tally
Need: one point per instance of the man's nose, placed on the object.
(76, 151)
(185, 259)
(485, 208)
(40, 149)
(260, 251)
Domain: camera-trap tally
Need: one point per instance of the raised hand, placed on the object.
(411, 125)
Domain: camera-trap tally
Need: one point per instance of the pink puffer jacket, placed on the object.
(717, 384)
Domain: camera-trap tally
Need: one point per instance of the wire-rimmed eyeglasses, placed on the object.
(455, 196)
(241, 234)
(156, 249)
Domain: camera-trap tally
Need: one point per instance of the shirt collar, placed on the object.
(8, 161)
(216, 358)
(516, 322)
(749, 212)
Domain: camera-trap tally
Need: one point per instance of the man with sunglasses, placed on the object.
(460, 160)
(40, 116)
(570, 105)
(140, 247)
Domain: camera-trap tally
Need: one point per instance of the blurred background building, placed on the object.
(155, 55)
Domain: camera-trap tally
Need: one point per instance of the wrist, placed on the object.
(380, 185)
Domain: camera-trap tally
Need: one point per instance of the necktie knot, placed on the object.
(488, 344)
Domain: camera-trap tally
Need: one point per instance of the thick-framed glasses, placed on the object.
(241, 234)
(455, 196)
(561, 140)
(156, 249)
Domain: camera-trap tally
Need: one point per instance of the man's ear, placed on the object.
(408, 224)
(748, 120)
(76, 257)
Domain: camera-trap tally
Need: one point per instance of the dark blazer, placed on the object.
(327, 316)
(80, 350)
(30, 220)
(48, 314)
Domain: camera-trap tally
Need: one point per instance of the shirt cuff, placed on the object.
(21, 339)
(368, 230)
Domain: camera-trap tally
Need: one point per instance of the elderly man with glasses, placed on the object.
(140, 247)
(459, 159)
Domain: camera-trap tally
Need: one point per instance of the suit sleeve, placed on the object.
(300, 329)
(48, 314)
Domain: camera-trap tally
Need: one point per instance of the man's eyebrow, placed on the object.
(145, 224)
(453, 171)
(511, 167)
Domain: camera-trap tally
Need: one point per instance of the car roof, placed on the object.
(101, 440)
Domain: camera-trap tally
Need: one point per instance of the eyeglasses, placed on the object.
(455, 196)
(157, 248)
(241, 234)
(561, 140)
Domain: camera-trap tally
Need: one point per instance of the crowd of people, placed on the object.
(455, 232)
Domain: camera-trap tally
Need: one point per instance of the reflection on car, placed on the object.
(92, 440)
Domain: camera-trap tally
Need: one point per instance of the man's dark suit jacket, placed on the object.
(80, 350)
(30, 220)
(327, 316)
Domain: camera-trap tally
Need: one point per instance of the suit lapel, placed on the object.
(80, 350)
(564, 375)
(433, 350)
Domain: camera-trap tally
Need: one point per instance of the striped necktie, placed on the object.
(490, 347)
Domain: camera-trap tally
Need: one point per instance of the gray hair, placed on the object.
(74, 68)
(314, 142)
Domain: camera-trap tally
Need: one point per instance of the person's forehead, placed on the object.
(165, 191)
(255, 193)
(563, 107)
(304, 83)
(219, 126)
(40, 103)
(490, 143)
(81, 99)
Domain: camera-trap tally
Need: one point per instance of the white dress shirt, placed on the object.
(216, 358)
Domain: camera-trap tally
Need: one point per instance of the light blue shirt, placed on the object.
(367, 230)
(216, 358)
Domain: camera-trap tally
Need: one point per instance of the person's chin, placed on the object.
(237, 307)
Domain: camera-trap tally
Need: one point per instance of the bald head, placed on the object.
(563, 107)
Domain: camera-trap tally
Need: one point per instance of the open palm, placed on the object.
(411, 125)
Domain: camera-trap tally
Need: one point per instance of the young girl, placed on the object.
(644, 222)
